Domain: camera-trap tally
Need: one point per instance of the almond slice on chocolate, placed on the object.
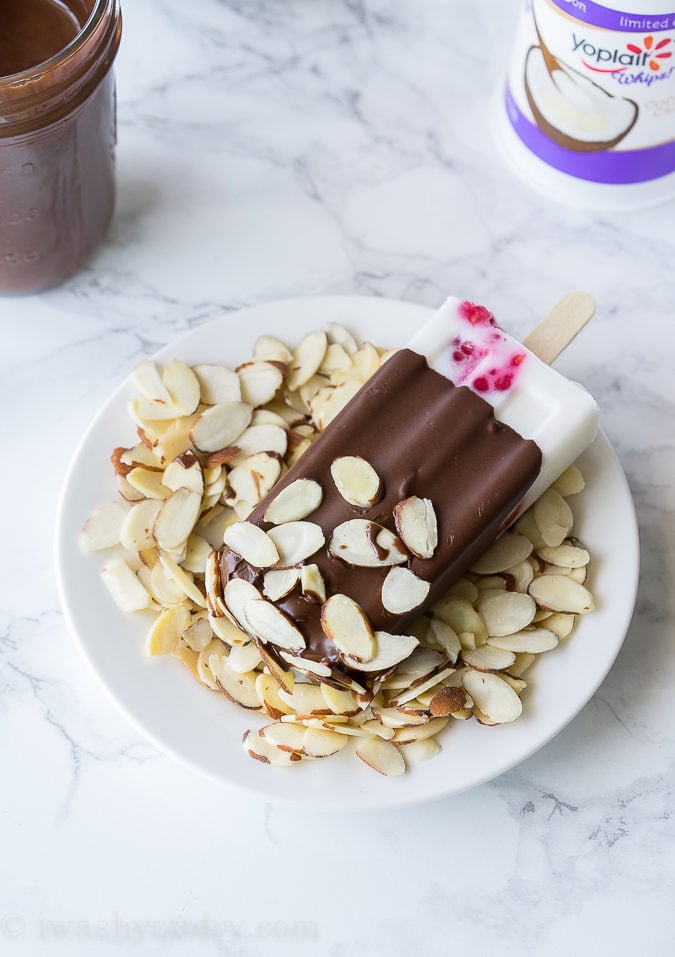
(253, 544)
(271, 625)
(356, 480)
(295, 502)
(345, 623)
(236, 593)
(310, 667)
(403, 590)
(389, 651)
(220, 425)
(279, 582)
(416, 524)
(312, 584)
(296, 541)
(366, 544)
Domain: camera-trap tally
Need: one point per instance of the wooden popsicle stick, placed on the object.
(557, 329)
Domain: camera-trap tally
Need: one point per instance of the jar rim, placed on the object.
(79, 40)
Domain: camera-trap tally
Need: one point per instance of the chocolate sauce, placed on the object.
(32, 31)
(424, 437)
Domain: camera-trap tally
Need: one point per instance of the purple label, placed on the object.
(597, 16)
(603, 166)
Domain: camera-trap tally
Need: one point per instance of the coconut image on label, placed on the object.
(570, 108)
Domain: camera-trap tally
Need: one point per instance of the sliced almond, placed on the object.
(560, 624)
(506, 611)
(147, 379)
(285, 735)
(567, 556)
(269, 347)
(389, 650)
(282, 677)
(183, 386)
(356, 480)
(296, 541)
(220, 425)
(366, 544)
(508, 550)
(268, 693)
(571, 482)
(279, 582)
(308, 666)
(295, 502)
(417, 526)
(198, 634)
(345, 623)
(447, 701)
(259, 749)
(462, 617)
(532, 641)
(184, 472)
(239, 688)
(166, 630)
(259, 380)
(561, 593)
(217, 384)
(306, 699)
(253, 478)
(236, 594)
(422, 749)
(312, 585)
(381, 755)
(260, 438)
(127, 591)
(149, 483)
(553, 517)
(176, 518)
(493, 697)
(445, 636)
(340, 702)
(488, 658)
(402, 591)
(253, 544)
(103, 529)
(183, 580)
(321, 743)
(271, 625)
(307, 358)
(418, 732)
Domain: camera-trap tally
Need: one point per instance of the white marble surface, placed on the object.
(272, 148)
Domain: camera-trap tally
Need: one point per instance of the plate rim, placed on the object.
(391, 800)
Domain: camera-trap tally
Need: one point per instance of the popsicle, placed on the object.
(423, 469)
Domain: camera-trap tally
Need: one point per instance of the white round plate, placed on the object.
(204, 730)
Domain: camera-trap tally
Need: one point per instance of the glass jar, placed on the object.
(57, 142)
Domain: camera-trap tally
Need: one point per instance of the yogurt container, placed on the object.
(587, 112)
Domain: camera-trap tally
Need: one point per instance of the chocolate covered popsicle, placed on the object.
(403, 491)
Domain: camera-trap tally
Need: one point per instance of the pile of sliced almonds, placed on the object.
(212, 442)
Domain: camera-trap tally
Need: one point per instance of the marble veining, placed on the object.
(274, 148)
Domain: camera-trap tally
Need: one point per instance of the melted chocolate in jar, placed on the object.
(57, 138)
(32, 31)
